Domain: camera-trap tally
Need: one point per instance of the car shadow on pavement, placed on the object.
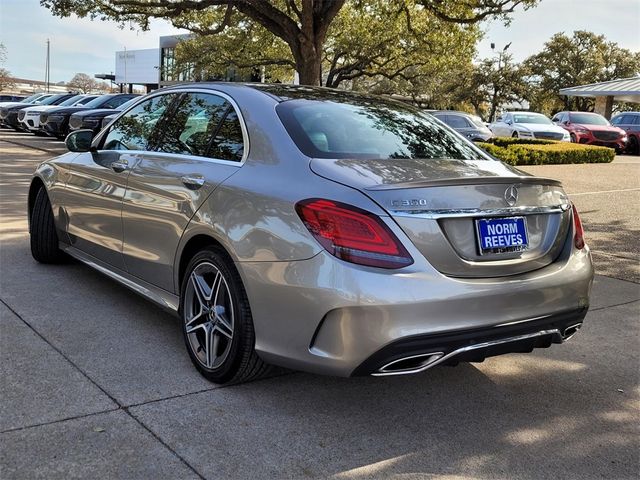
(615, 248)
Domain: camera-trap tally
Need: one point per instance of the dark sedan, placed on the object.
(9, 114)
(630, 123)
(55, 122)
(93, 119)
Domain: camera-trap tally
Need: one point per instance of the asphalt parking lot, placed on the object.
(96, 381)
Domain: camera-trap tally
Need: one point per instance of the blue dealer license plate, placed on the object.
(502, 235)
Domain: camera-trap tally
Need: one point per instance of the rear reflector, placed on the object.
(353, 234)
(578, 238)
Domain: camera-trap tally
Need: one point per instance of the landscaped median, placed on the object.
(517, 151)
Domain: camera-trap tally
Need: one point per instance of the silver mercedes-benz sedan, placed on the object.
(315, 229)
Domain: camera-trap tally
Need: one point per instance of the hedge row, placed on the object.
(508, 141)
(520, 152)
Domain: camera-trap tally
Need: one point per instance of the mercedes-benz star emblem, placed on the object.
(511, 195)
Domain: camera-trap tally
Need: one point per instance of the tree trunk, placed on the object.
(310, 70)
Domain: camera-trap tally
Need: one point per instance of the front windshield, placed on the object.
(40, 100)
(52, 99)
(588, 119)
(71, 101)
(531, 118)
(477, 121)
(127, 104)
(31, 99)
(96, 102)
(370, 128)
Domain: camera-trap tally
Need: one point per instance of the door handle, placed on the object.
(192, 182)
(119, 167)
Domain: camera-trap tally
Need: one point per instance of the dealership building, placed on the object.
(154, 68)
(151, 68)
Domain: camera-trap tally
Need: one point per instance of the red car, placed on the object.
(591, 129)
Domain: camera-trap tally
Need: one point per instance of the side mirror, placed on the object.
(79, 141)
(566, 122)
(508, 122)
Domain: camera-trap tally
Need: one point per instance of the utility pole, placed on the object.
(47, 67)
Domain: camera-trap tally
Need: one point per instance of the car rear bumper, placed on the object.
(336, 317)
(419, 353)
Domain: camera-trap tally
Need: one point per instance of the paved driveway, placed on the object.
(96, 382)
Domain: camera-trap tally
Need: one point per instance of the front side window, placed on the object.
(192, 124)
(367, 127)
(456, 121)
(135, 129)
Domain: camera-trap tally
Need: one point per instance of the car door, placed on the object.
(199, 146)
(98, 179)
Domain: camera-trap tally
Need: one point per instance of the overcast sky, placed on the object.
(79, 45)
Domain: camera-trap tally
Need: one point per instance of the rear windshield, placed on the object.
(588, 119)
(363, 127)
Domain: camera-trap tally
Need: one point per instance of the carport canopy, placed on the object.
(605, 93)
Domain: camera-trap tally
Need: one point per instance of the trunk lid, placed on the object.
(438, 203)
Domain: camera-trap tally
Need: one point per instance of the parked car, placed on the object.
(316, 229)
(527, 125)
(55, 122)
(32, 100)
(9, 114)
(30, 117)
(630, 123)
(92, 119)
(591, 129)
(11, 98)
(470, 126)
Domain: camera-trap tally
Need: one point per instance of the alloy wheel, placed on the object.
(208, 315)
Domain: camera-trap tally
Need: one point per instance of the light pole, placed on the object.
(47, 66)
(496, 89)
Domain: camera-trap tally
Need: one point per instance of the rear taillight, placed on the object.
(353, 234)
(578, 238)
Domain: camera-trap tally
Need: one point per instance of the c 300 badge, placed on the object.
(413, 202)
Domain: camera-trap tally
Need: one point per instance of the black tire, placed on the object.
(241, 363)
(634, 148)
(44, 237)
(573, 138)
(515, 135)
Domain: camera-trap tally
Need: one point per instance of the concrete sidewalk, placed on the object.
(96, 383)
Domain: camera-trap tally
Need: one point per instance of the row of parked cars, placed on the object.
(57, 115)
(622, 133)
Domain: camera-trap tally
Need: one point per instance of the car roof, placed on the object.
(280, 92)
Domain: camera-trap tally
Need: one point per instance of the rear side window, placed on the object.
(368, 127)
(192, 124)
(135, 129)
(228, 142)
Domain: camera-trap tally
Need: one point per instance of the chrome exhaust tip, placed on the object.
(408, 365)
(570, 331)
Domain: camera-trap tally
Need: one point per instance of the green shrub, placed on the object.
(508, 141)
(547, 153)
